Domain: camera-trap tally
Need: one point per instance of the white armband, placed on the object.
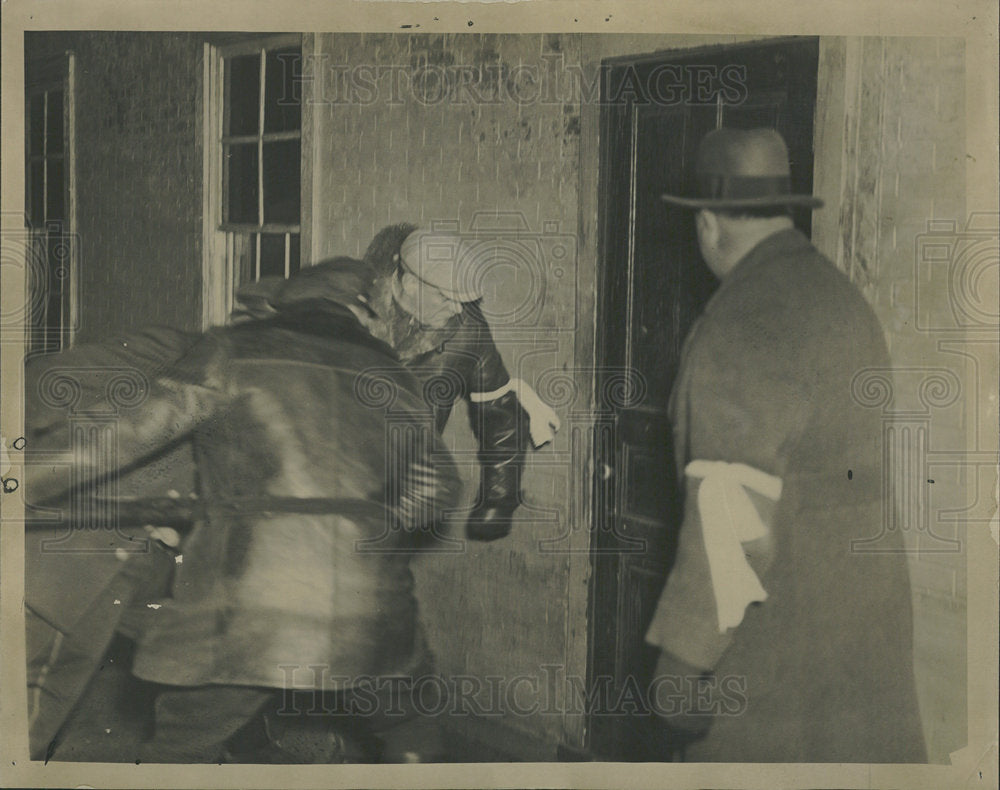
(543, 422)
(728, 520)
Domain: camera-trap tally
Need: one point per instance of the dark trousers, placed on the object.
(192, 725)
(198, 725)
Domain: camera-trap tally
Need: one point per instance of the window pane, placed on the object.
(55, 126)
(282, 162)
(37, 186)
(37, 124)
(293, 254)
(283, 91)
(244, 258)
(243, 94)
(241, 175)
(272, 254)
(55, 197)
(751, 117)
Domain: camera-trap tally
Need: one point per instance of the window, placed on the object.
(49, 208)
(254, 119)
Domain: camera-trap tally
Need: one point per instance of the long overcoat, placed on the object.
(777, 374)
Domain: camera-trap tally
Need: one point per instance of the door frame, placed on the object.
(613, 132)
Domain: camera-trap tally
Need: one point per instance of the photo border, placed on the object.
(976, 22)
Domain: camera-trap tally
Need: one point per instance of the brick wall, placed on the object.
(891, 165)
(139, 173)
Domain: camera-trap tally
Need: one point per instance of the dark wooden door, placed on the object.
(654, 285)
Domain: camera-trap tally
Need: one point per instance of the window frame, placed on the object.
(53, 73)
(221, 238)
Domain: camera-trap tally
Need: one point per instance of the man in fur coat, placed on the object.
(775, 594)
(320, 472)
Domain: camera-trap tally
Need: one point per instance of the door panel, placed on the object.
(653, 286)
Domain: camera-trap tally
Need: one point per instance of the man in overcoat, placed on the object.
(319, 473)
(773, 595)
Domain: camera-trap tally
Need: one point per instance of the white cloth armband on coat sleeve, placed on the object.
(729, 519)
(543, 422)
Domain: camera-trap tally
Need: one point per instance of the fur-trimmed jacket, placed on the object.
(319, 474)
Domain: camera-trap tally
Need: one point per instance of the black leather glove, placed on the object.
(501, 428)
(686, 717)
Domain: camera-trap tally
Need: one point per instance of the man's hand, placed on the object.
(683, 710)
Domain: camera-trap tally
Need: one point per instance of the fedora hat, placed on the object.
(742, 168)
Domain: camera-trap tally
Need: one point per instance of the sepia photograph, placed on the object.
(603, 398)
